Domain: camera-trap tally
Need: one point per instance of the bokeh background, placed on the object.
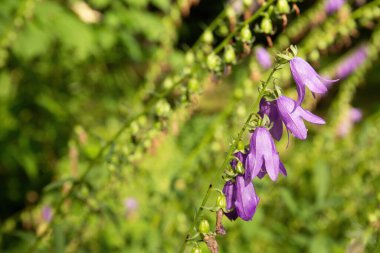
(112, 127)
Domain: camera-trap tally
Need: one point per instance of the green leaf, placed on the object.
(321, 178)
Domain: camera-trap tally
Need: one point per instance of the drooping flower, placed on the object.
(294, 115)
(262, 156)
(241, 199)
(229, 192)
(352, 62)
(304, 75)
(47, 213)
(332, 6)
(263, 57)
(345, 126)
(270, 109)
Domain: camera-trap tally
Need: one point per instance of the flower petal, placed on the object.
(292, 119)
(312, 118)
(229, 193)
(246, 199)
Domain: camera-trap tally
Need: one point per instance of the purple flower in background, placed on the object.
(352, 62)
(304, 75)
(332, 6)
(354, 115)
(270, 109)
(263, 57)
(294, 115)
(130, 204)
(47, 213)
(262, 156)
(241, 199)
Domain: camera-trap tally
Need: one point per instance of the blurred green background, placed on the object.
(73, 73)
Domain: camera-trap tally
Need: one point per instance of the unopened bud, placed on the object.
(246, 34)
(283, 6)
(229, 54)
(204, 227)
(208, 37)
(239, 168)
(196, 249)
(221, 201)
(213, 62)
(266, 25)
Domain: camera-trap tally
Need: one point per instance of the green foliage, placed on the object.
(120, 130)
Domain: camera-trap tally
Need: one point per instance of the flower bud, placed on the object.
(221, 201)
(213, 62)
(266, 25)
(162, 108)
(204, 227)
(230, 13)
(241, 146)
(239, 168)
(193, 85)
(208, 37)
(246, 34)
(229, 54)
(247, 3)
(196, 249)
(189, 58)
(283, 6)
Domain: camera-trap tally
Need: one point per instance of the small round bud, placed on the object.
(247, 3)
(196, 249)
(162, 108)
(230, 12)
(208, 37)
(239, 168)
(266, 25)
(229, 54)
(241, 146)
(213, 62)
(246, 34)
(221, 201)
(193, 85)
(204, 227)
(283, 6)
(189, 58)
(223, 30)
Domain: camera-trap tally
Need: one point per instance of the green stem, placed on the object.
(230, 152)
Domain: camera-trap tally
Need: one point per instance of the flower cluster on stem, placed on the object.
(261, 157)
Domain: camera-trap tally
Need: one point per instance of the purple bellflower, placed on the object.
(285, 110)
(263, 57)
(352, 62)
(47, 213)
(270, 109)
(241, 199)
(262, 157)
(345, 126)
(332, 6)
(304, 75)
(294, 115)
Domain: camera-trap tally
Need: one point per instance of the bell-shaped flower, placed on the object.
(294, 115)
(332, 6)
(262, 156)
(304, 75)
(283, 171)
(241, 199)
(270, 109)
(263, 57)
(352, 62)
(229, 192)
